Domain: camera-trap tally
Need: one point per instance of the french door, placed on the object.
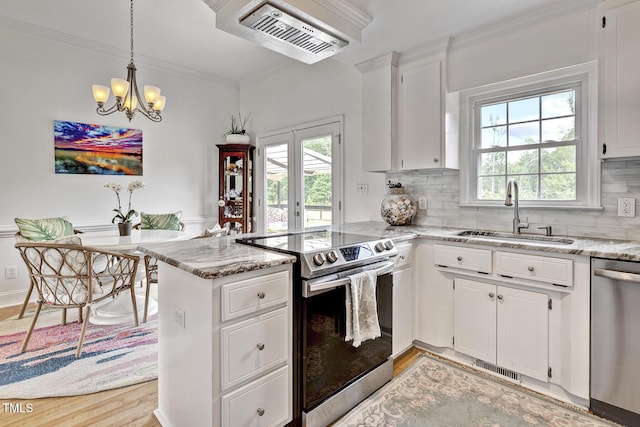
(300, 173)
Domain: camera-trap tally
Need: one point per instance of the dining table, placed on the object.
(120, 309)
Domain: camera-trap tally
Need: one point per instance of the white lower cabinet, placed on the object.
(504, 326)
(402, 337)
(229, 363)
(403, 300)
(261, 403)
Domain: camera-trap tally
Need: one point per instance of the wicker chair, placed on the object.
(151, 268)
(20, 238)
(74, 276)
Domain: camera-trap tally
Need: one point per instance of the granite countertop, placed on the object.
(602, 248)
(214, 257)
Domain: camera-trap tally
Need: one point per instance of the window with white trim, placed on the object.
(535, 133)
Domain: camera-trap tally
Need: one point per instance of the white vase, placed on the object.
(237, 138)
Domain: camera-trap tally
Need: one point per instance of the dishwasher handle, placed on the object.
(617, 275)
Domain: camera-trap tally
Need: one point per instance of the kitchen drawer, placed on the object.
(478, 260)
(557, 271)
(248, 296)
(254, 346)
(263, 403)
(404, 257)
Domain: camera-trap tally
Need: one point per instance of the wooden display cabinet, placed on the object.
(235, 189)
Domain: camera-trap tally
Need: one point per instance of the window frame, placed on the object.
(583, 80)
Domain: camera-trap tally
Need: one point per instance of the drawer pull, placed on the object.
(260, 412)
(459, 258)
(261, 295)
(491, 294)
(260, 346)
(530, 268)
(500, 297)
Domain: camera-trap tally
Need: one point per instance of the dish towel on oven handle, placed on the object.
(362, 309)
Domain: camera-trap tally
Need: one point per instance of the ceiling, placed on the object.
(183, 33)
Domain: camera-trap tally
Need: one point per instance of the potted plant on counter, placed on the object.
(238, 133)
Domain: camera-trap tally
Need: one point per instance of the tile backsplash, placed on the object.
(442, 191)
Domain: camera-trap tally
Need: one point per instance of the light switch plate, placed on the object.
(422, 202)
(11, 272)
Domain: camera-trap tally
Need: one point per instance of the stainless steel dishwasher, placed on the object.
(615, 340)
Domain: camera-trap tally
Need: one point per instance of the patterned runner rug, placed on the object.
(112, 356)
(435, 393)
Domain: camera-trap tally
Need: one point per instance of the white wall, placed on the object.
(300, 93)
(547, 40)
(47, 77)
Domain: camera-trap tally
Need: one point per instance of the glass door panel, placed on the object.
(277, 180)
(317, 175)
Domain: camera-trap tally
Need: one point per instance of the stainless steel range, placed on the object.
(330, 375)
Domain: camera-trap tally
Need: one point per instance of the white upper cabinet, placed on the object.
(409, 121)
(379, 112)
(619, 84)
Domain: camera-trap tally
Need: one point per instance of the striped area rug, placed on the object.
(112, 356)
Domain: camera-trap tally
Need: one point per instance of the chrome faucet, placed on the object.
(512, 194)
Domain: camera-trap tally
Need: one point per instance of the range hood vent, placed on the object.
(305, 30)
(289, 29)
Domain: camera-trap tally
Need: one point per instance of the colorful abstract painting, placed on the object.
(82, 148)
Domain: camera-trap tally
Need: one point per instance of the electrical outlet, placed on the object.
(422, 202)
(362, 188)
(178, 316)
(627, 207)
(11, 272)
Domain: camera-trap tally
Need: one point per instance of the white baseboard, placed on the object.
(11, 298)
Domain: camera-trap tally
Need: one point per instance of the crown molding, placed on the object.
(348, 11)
(101, 48)
(517, 23)
(388, 59)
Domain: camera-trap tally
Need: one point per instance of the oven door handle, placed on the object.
(315, 287)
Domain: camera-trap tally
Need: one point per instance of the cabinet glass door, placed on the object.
(233, 189)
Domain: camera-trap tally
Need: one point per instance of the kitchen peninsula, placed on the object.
(210, 298)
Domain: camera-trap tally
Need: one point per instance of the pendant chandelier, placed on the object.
(128, 99)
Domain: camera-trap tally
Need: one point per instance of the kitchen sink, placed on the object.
(507, 237)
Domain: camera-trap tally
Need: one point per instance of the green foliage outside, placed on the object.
(556, 166)
(317, 187)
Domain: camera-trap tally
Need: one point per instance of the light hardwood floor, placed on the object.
(126, 406)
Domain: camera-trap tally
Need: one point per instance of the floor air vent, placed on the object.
(508, 374)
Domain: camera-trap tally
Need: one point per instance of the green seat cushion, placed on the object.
(169, 221)
(44, 229)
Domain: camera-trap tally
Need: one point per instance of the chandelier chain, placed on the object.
(132, 31)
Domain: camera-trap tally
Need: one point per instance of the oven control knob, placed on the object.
(332, 256)
(318, 259)
(379, 247)
(388, 245)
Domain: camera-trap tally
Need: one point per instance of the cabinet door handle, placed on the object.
(530, 268)
(491, 294)
(260, 412)
(459, 258)
(261, 295)
(500, 297)
(260, 346)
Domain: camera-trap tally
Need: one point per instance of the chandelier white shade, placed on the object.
(127, 96)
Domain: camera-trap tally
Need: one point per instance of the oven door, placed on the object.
(329, 362)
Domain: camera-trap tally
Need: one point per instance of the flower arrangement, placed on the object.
(238, 125)
(131, 213)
